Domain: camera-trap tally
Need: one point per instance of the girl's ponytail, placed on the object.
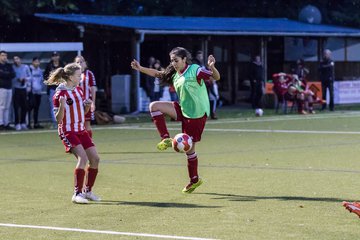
(56, 77)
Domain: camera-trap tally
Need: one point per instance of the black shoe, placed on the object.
(7, 127)
(38, 126)
(2, 127)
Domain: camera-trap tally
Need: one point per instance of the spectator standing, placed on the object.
(256, 82)
(149, 81)
(327, 77)
(20, 82)
(35, 86)
(213, 93)
(199, 58)
(157, 88)
(6, 75)
(54, 64)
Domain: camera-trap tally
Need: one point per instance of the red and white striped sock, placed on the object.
(159, 121)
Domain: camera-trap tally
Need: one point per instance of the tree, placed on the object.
(15, 10)
(7, 11)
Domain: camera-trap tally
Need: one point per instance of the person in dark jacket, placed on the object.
(327, 77)
(256, 77)
(54, 64)
(6, 75)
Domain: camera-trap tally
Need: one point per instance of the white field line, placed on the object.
(233, 130)
(101, 232)
(282, 131)
(149, 126)
(286, 118)
(252, 130)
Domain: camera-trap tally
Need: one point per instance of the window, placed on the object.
(296, 48)
(353, 49)
(337, 47)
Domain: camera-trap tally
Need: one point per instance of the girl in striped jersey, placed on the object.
(193, 106)
(70, 108)
(88, 85)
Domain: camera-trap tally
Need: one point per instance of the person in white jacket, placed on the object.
(35, 87)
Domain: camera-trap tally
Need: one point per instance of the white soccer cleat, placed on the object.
(79, 198)
(23, 126)
(17, 127)
(91, 196)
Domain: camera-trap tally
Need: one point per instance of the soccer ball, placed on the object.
(182, 142)
(259, 112)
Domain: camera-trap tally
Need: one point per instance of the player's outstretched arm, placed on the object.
(211, 64)
(148, 71)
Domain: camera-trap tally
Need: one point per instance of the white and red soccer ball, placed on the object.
(182, 142)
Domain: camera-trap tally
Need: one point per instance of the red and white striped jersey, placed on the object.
(74, 112)
(87, 81)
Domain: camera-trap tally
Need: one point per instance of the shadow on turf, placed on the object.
(154, 204)
(244, 198)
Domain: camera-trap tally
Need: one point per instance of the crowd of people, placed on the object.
(22, 87)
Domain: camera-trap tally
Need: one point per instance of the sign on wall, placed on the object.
(346, 92)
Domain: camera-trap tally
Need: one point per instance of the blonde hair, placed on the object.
(79, 56)
(60, 75)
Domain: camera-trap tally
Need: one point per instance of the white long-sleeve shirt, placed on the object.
(36, 80)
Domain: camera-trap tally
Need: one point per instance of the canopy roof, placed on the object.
(205, 25)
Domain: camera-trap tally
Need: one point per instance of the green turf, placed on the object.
(257, 185)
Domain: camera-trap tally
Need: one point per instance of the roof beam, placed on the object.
(245, 33)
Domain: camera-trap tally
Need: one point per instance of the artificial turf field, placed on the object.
(274, 177)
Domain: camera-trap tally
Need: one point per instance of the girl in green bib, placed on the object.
(193, 107)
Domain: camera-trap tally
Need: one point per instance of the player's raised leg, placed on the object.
(158, 110)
